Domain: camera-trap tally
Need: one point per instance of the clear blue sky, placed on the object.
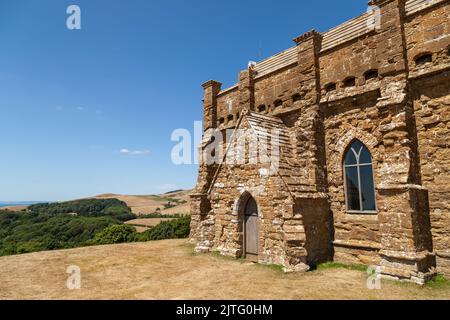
(71, 100)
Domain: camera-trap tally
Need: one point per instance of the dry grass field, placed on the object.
(170, 270)
(149, 204)
(142, 225)
(148, 222)
(14, 208)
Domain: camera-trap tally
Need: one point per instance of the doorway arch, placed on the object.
(249, 218)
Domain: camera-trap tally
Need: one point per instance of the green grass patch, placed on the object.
(274, 267)
(439, 282)
(337, 265)
(216, 254)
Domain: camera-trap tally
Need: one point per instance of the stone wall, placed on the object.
(428, 31)
(276, 91)
(352, 60)
(228, 109)
(376, 85)
(357, 237)
(432, 111)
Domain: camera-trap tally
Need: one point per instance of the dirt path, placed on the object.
(169, 270)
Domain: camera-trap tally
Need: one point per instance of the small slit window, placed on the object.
(230, 118)
(262, 108)
(350, 82)
(278, 103)
(222, 120)
(296, 97)
(238, 116)
(371, 74)
(424, 58)
(330, 87)
(359, 181)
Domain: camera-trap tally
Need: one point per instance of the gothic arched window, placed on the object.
(359, 182)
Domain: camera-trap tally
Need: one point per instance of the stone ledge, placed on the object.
(409, 256)
(422, 73)
(414, 7)
(400, 187)
(310, 195)
(306, 36)
(368, 245)
(393, 274)
(353, 93)
(211, 83)
(443, 254)
(357, 218)
(227, 90)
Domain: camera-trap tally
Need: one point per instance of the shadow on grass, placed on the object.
(218, 255)
(274, 267)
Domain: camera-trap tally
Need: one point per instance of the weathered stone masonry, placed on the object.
(383, 80)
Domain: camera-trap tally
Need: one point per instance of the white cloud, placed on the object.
(134, 152)
(80, 108)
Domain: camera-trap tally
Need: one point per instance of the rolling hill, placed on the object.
(176, 202)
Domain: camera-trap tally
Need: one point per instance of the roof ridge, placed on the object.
(267, 117)
(247, 117)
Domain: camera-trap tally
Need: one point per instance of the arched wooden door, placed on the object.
(251, 232)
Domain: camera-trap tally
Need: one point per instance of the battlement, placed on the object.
(351, 59)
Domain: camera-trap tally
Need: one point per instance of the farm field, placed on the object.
(148, 204)
(144, 224)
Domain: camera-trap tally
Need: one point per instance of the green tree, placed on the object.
(115, 234)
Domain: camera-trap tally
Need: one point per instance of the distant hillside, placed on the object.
(170, 203)
(92, 221)
(14, 208)
(175, 202)
(50, 226)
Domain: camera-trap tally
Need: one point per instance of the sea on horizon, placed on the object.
(18, 203)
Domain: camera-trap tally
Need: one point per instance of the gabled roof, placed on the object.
(272, 130)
